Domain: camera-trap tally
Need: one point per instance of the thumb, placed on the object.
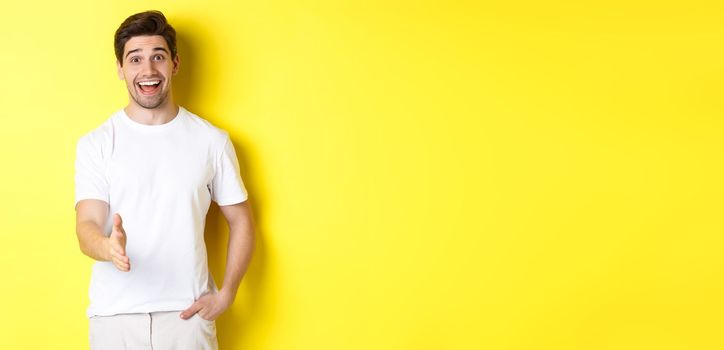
(194, 308)
(118, 223)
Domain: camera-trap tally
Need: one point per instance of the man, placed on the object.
(144, 182)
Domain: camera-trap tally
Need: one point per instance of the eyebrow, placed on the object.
(154, 49)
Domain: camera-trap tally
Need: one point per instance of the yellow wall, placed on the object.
(425, 175)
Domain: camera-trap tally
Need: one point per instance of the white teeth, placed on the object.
(149, 83)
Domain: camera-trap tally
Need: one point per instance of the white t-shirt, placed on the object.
(161, 180)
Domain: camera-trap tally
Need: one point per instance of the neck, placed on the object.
(162, 114)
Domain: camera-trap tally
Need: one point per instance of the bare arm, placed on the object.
(241, 244)
(90, 217)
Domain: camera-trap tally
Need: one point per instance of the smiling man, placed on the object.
(143, 185)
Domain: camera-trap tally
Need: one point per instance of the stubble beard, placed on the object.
(148, 102)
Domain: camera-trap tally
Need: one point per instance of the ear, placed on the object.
(120, 70)
(176, 63)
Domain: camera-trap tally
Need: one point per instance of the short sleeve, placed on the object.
(90, 179)
(227, 187)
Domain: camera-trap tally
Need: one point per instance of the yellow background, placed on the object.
(424, 175)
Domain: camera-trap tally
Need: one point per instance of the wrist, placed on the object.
(105, 249)
(227, 295)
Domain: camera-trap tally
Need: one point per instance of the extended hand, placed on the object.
(117, 245)
(209, 306)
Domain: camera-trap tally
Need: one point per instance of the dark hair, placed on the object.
(144, 23)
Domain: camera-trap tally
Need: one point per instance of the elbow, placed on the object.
(82, 246)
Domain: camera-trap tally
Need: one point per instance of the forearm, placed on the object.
(93, 242)
(241, 246)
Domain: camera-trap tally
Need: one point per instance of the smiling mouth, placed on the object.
(148, 87)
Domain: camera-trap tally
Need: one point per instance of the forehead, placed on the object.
(145, 43)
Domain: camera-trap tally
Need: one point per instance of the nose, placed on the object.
(148, 68)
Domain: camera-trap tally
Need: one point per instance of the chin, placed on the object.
(149, 104)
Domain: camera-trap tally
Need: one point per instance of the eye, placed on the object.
(158, 57)
(135, 59)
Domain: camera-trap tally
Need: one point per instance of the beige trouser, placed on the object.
(156, 330)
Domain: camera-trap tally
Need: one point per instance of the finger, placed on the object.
(121, 234)
(122, 264)
(120, 257)
(194, 308)
(118, 234)
(118, 222)
(118, 249)
(125, 267)
(120, 239)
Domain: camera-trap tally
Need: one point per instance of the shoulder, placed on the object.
(215, 135)
(98, 139)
